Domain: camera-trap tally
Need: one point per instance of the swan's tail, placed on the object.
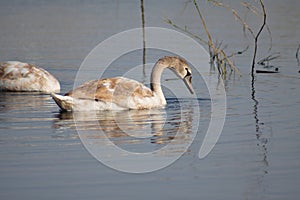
(64, 102)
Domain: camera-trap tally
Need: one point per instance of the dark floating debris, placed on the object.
(266, 71)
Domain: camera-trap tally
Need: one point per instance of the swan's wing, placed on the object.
(90, 89)
(121, 91)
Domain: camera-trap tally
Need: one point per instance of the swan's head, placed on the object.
(181, 68)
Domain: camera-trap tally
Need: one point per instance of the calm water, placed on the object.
(42, 156)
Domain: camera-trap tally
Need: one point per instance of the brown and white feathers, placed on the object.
(23, 77)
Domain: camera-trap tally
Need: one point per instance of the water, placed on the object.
(42, 156)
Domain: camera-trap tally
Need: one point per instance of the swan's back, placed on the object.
(18, 76)
(123, 92)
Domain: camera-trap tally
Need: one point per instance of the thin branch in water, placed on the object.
(185, 6)
(257, 35)
(258, 13)
(246, 26)
(210, 43)
(235, 14)
(232, 66)
(144, 37)
(218, 58)
(252, 8)
(267, 59)
(219, 44)
(239, 52)
(216, 51)
(168, 21)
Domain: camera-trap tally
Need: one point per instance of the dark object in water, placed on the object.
(267, 71)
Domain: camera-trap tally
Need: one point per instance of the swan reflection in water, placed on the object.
(134, 129)
(25, 111)
(24, 101)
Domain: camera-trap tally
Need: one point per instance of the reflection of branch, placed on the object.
(261, 140)
(255, 106)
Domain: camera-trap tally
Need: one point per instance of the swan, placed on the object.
(121, 93)
(24, 77)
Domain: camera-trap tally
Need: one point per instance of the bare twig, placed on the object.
(144, 37)
(246, 26)
(235, 14)
(185, 6)
(252, 8)
(258, 13)
(168, 21)
(216, 51)
(218, 57)
(257, 35)
(232, 66)
(267, 59)
(210, 43)
(239, 52)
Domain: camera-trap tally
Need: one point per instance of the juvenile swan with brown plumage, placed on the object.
(121, 93)
(24, 77)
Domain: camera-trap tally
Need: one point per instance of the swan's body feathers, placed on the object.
(108, 94)
(24, 77)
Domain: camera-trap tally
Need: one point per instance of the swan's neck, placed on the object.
(155, 81)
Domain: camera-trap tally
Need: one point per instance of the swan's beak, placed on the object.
(188, 82)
